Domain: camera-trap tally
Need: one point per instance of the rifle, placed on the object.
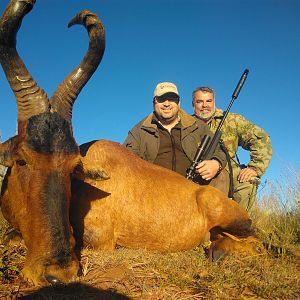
(207, 149)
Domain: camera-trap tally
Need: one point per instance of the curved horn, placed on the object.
(31, 100)
(64, 97)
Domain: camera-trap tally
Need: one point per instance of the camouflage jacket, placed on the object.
(238, 131)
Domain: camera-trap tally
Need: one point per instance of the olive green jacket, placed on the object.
(143, 139)
(238, 131)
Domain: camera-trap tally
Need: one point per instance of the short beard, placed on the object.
(206, 118)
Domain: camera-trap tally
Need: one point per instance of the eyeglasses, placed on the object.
(162, 99)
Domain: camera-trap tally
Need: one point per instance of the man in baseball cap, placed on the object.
(169, 137)
(166, 102)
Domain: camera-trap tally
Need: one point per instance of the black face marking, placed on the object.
(49, 133)
(56, 211)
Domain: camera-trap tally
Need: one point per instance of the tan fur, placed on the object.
(20, 205)
(139, 206)
(224, 244)
(146, 206)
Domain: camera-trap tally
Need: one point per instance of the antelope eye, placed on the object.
(21, 162)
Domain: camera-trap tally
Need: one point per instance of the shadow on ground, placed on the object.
(73, 291)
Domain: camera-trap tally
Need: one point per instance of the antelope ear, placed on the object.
(7, 150)
(89, 170)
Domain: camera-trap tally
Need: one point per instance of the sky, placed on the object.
(189, 42)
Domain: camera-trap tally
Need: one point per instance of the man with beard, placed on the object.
(236, 131)
(169, 137)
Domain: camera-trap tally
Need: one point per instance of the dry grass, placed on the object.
(277, 218)
(138, 274)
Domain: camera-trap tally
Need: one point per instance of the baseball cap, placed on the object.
(164, 88)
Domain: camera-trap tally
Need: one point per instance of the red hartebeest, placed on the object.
(51, 184)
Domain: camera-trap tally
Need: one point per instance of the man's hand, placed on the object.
(246, 174)
(208, 169)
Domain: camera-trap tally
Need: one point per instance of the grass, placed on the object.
(277, 218)
(138, 274)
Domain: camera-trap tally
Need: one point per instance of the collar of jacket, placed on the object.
(185, 119)
(218, 113)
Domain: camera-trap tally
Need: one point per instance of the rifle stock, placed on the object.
(190, 173)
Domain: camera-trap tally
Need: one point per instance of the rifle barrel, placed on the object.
(240, 84)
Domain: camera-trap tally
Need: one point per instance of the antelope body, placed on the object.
(58, 195)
